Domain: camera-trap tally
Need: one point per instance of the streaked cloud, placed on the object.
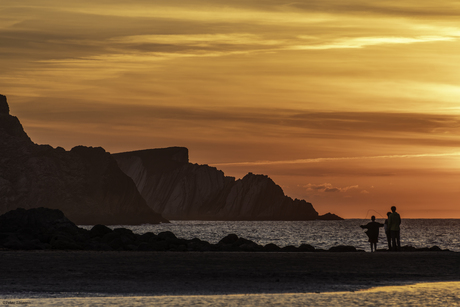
(319, 160)
(328, 188)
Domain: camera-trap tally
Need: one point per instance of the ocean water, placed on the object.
(443, 233)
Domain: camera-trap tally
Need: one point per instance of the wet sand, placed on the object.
(426, 294)
(88, 273)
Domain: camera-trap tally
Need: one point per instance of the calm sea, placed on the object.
(444, 233)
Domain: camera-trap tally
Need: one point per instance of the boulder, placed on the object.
(39, 228)
(99, 231)
(229, 239)
(289, 248)
(270, 247)
(343, 248)
(306, 248)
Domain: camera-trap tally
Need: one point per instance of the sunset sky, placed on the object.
(350, 105)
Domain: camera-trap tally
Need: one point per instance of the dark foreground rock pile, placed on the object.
(49, 229)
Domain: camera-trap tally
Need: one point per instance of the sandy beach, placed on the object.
(87, 273)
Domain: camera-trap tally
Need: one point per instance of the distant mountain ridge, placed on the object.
(85, 182)
(180, 190)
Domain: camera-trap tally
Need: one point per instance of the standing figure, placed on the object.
(394, 220)
(373, 232)
(387, 231)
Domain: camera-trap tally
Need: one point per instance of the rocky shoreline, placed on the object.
(49, 229)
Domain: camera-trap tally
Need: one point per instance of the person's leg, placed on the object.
(372, 247)
(398, 240)
(388, 240)
(393, 240)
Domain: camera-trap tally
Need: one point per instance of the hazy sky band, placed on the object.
(318, 160)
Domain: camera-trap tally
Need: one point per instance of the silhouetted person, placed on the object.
(387, 231)
(373, 232)
(394, 220)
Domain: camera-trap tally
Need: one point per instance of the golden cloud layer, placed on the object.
(366, 90)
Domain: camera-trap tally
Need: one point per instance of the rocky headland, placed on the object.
(85, 183)
(181, 190)
(91, 186)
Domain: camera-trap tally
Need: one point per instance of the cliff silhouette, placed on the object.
(180, 190)
(85, 183)
(91, 186)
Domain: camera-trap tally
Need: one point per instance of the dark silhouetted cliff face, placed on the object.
(85, 183)
(184, 191)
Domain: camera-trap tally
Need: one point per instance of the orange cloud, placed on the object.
(327, 188)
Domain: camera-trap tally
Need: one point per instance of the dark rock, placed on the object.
(85, 183)
(145, 247)
(408, 248)
(36, 221)
(116, 244)
(4, 108)
(126, 241)
(109, 237)
(242, 241)
(199, 245)
(183, 191)
(167, 235)
(306, 248)
(148, 237)
(270, 247)
(12, 242)
(289, 248)
(123, 232)
(329, 216)
(342, 248)
(160, 246)
(61, 242)
(229, 239)
(39, 228)
(97, 244)
(178, 248)
(99, 231)
(250, 247)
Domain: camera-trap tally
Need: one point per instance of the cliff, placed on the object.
(180, 190)
(85, 183)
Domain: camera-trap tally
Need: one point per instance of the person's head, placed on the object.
(388, 213)
(393, 209)
(373, 218)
